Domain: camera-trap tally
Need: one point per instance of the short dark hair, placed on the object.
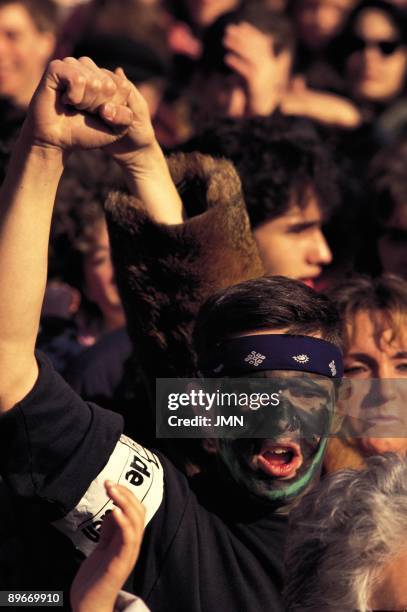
(44, 13)
(269, 302)
(385, 296)
(276, 157)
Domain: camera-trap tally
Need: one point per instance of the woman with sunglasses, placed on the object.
(374, 54)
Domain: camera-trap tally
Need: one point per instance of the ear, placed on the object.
(210, 445)
(47, 45)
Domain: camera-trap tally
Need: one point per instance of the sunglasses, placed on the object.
(386, 47)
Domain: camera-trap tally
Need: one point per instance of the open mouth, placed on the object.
(279, 459)
(310, 282)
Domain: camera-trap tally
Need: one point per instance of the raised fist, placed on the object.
(80, 106)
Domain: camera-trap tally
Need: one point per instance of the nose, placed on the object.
(320, 253)
(371, 55)
(383, 391)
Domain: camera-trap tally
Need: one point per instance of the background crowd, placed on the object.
(308, 99)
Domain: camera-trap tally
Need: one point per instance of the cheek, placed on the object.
(97, 278)
(276, 253)
(372, 446)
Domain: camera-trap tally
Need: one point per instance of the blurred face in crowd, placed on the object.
(391, 590)
(24, 52)
(227, 95)
(205, 12)
(293, 244)
(376, 360)
(318, 21)
(392, 244)
(377, 64)
(100, 284)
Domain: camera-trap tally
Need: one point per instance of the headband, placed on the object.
(246, 354)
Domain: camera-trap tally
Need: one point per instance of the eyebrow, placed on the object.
(303, 225)
(364, 357)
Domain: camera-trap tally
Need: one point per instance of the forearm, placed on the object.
(165, 273)
(26, 202)
(323, 107)
(149, 180)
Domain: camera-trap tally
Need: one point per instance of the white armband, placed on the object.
(131, 465)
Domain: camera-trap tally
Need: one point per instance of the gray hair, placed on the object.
(343, 532)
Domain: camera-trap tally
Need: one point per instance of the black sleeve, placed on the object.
(53, 444)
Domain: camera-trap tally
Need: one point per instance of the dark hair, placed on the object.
(257, 14)
(269, 302)
(384, 296)
(140, 62)
(132, 20)
(387, 180)
(44, 13)
(386, 190)
(276, 158)
(88, 178)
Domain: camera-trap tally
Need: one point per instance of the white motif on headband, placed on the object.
(255, 359)
(301, 358)
(332, 367)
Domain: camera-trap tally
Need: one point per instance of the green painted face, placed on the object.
(280, 467)
(280, 492)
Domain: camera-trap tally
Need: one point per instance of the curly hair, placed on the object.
(277, 158)
(343, 533)
(383, 297)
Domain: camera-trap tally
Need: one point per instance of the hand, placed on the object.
(103, 573)
(78, 105)
(251, 55)
(140, 133)
(321, 106)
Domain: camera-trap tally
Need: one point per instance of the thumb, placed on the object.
(116, 114)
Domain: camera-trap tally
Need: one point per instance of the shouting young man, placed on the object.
(215, 544)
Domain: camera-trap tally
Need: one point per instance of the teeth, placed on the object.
(279, 451)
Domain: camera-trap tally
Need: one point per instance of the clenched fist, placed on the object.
(80, 106)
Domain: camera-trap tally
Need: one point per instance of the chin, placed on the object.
(378, 446)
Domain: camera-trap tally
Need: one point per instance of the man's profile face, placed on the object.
(24, 51)
(293, 244)
(376, 360)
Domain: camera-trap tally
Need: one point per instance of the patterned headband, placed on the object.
(246, 354)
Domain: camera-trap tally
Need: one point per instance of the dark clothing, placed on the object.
(58, 339)
(108, 375)
(203, 551)
(96, 375)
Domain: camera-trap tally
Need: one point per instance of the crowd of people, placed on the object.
(204, 188)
